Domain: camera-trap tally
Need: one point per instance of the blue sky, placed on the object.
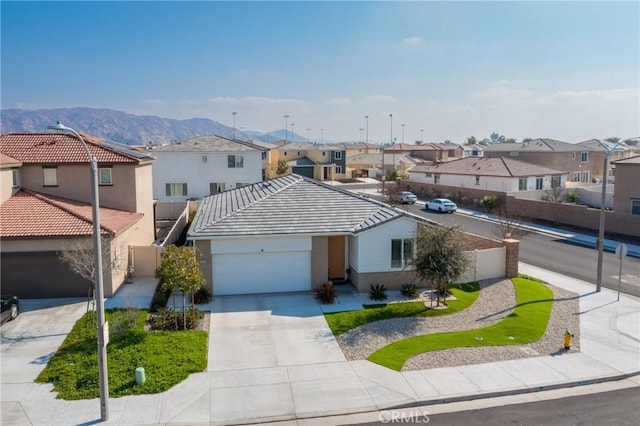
(564, 70)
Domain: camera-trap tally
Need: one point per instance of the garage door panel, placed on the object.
(265, 272)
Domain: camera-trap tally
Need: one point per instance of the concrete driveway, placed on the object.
(269, 330)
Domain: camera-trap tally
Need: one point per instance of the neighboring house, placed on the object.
(474, 150)
(355, 148)
(616, 151)
(439, 152)
(9, 173)
(49, 210)
(580, 162)
(496, 174)
(320, 162)
(372, 163)
(205, 165)
(293, 233)
(626, 195)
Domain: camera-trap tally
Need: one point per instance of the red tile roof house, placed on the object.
(46, 208)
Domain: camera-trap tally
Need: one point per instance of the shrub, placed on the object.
(378, 292)
(166, 319)
(325, 293)
(122, 322)
(409, 290)
(572, 196)
(203, 295)
(489, 202)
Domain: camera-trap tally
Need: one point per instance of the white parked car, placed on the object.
(442, 205)
(405, 197)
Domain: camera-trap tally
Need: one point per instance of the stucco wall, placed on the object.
(627, 186)
(189, 168)
(319, 260)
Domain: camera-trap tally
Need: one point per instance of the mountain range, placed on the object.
(122, 127)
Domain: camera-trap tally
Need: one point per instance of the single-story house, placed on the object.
(293, 233)
(495, 174)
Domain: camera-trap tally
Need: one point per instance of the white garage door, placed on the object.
(268, 272)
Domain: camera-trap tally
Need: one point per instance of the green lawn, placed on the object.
(341, 322)
(168, 357)
(526, 324)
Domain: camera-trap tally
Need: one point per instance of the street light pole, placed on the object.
(402, 133)
(603, 197)
(102, 329)
(234, 125)
(293, 135)
(392, 144)
(366, 117)
(286, 127)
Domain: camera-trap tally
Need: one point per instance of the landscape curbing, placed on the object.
(317, 390)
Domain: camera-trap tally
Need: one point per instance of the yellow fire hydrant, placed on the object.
(567, 339)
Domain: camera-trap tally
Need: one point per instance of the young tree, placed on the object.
(79, 256)
(440, 256)
(613, 139)
(471, 140)
(282, 168)
(179, 269)
(508, 226)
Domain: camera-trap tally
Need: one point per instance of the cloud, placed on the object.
(413, 41)
(338, 101)
(155, 102)
(379, 98)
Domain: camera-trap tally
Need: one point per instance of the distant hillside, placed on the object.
(114, 125)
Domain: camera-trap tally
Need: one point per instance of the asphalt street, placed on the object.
(552, 253)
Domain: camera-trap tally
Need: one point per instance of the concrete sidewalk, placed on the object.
(288, 390)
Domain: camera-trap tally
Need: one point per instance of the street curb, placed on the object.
(517, 391)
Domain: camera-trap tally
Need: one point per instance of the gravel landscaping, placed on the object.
(496, 301)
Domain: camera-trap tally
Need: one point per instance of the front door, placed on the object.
(336, 257)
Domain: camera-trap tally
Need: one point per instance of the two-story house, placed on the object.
(612, 151)
(320, 162)
(495, 174)
(46, 209)
(581, 162)
(205, 165)
(427, 152)
(626, 192)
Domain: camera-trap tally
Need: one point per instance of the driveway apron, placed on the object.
(269, 330)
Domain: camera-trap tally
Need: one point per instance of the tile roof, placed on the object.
(290, 204)
(538, 145)
(308, 146)
(502, 167)
(38, 148)
(630, 160)
(210, 143)
(402, 147)
(302, 162)
(33, 214)
(8, 161)
(604, 145)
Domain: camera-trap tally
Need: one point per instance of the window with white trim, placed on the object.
(50, 176)
(556, 181)
(241, 184)
(576, 176)
(235, 161)
(573, 155)
(339, 170)
(584, 157)
(15, 178)
(436, 178)
(522, 184)
(401, 252)
(477, 180)
(539, 181)
(104, 174)
(338, 155)
(176, 189)
(635, 206)
(216, 187)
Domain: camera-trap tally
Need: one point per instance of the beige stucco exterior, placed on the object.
(627, 187)
(319, 260)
